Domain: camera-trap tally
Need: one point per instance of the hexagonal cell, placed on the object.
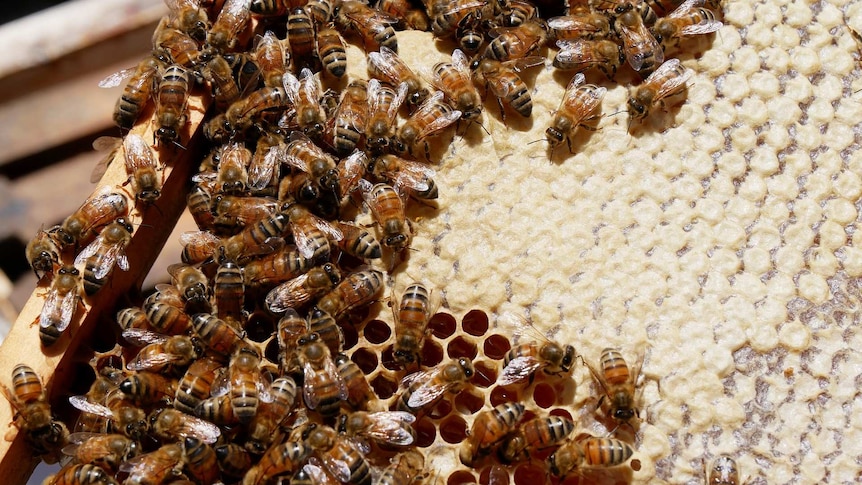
(442, 325)
(259, 327)
(453, 429)
(432, 353)
(467, 402)
(365, 359)
(544, 395)
(499, 395)
(462, 347)
(351, 336)
(426, 432)
(529, 474)
(388, 359)
(459, 477)
(384, 386)
(441, 410)
(377, 331)
(561, 412)
(496, 346)
(475, 322)
(486, 374)
(494, 474)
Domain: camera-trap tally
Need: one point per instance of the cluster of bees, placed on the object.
(235, 372)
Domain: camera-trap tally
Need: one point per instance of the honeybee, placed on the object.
(470, 35)
(61, 301)
(373, 26)
(247, 110)
(201, 462)
(578, 108)
(454, 80)
(347, 124)
(282, 265)
(136, 92)
(32, 413)
(302, 289)
(663, 7)
(489, 428)
(311, 233)
(141, 168)
(106, 451)
(224, 88)
(502, 79)
(82, 226)
(411, 323)
(424, 388)
(320, 11)
(618, 385)
(133, 317)
(668, 80)
(269, 8)
(690, 18)
(156, 466)
(387, 208)
(322, 389)
(358, 242)
(583, 25)
(160, 352)
(167, 318)
(100, 256)
(385, 427)
(196, 383)
(536, 434)
(231, 211)
(406, 176)
(403, 468)
(360, 395)
(339, 455)
(432, 116)
(517, 12)
(523, 360)
(229, 292)
(516, 42)
(585, 452)
(198, 246)
(350, 170)
(232, 20)
(81, 474)
(169, 424)
(272, 59)
(43, 251)
(263, 428)
(357, 289)
(172, 95)
(199, 201)
(305, 93)
(388, 67)
(172, 45)
(447, 15)
(723, 471)
(300, 35)
(280, 459)
(289, 329)
(189, 17)
(233, 459)
(233, 162)
(383, 104)
(331, 50)
(262, 237)
(124, 416)
(264, 170)
(146, 387)
(106, 382)
(193, 286)
(246, 383)
(642, 50)
(217, 410)
(580, 55)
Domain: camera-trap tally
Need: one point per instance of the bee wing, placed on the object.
(68, 305)
(400, 96)
(325, 226)
(289, 294)
(427, 393)
(199, 237)
(350, 170)
(88, 251)
(199, 428)
(519, 328)
(439, 122)
(389, 64)
(329, 373)
(51, 302)
(115, 79)
(221, 385)
(518, 369)
(637, 36)
(672, 83)
(461, 62)
(339, 468)
(705, 26)
(576, 81)
(140, 337)
(151, 361)
(412, 175)
(109, 145)
(260, 174)
(685, 7)
(524, 63)
(82, 404)
(310, 85)
(113, 255)
(291, 87)
(391, 427)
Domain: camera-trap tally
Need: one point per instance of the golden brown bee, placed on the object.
(580, 55)
(264, 170)
(272, 58)
(160, 352)
(247, 110)
(584, 25)
(106, 383)
(189, 17)
(502, 79)
(172, 96)
(409, 17)
(618, 385)
(136, 92)
(338, 454)
(167, 318)
(432, 116)
(331, 50)
(664, 7)
(193, 286)
(224, 88)
(403, 468)
(455, 82)
(411, 323)
(32, 414)
(305, 93)
(578, 108)
(196, 383)
(536, 434)
(357, 289)
(200, 460)
(311, 234)
(269, 8)
(373, 26)
(282, 265)
(668, 80)
(489, 428)
(642, 51)
(106, 451)
(470, 35)
(218, 336)
(322, 389)
(524, 359)
(156, 466)
(387, 208)
(217, 410)
(232, 20)
(516, 42)
(264, 427)
(358, 242)
(236, 212)
(320, 11)
(383, 104)
(233, 162)
(304, 155)
(326, 327)
(517, 12)
(100, 256)
(424, 388)
(245, 383)
(141, 168)
(347, 124)
(585, 452)
(198, 246)
(169, 425)
(146, 387)
(83, 225)
(173, 46)
(233, 459)
(384, 427)
(262, 237)
(125, 417)
(229, 292)
(289, 329)
(81, 474)
(299, 291)
(300, 36)
(199, 201)
(61, 301)
(723, 471)
(43, 251)
(690, 18)
(281, 459)
(391, 69)
(360, 395)
(133, 317)
(447, 15)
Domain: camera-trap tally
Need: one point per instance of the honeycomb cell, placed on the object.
(441, 410)
(499, 395)
(271, 352)
(432, 353)
(384, 386)
(426, 432)
(461, 347)
(259, 327)
(529, 474)
(351, 336)
(459, 477)
(442, 325)
(365, 359)
(561, 412)
(496, 346)
(475, 322)
(453, 429)
(494, 474)
(544, 395)
(376, 331)
(467, 402)
(486, 374)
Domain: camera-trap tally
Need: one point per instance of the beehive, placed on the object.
(717, 241)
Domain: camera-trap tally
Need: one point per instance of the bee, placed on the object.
(447, 15)
(723, 471)
(690, 18)
(300, 34)
(233, 162)
(421, 390)
(454, 80)
(391, 69)
(403, 468)
(331, 50)
(488, 429)
(264, 426)
(160, 352)
(229, 292)
(311, 233)
(196, 383)
(193, 286)
(141, 168)
(136, 92)
(357, 289)
(322, 389)
(198, 246)
(305, 93)
(169, 424)
(264, 170)
(350, 170)
(81, 474)
(172, 96)
(147, 387)
(269, 8)
(43, 251)
(280, 459)
(217, 410)
(282, 265)
(583, 25)
(320, 11)
(156, 466)
(232, 211)
(125, 417)
(536, 434)
(232, 20)
(233, 459)
(668, 80)
(409, 17)
(618, 385)
(32, 413)
(133, 317)
(61, 301)
(383, 104)
(106, 451)
(189, 17)
(347, 125)
(246, 383)
(586, 452)
(200, 460)
(224, 88)
(580, 55)
(358, 242)
(411, 323)
(166, 318)
(262, 237)
(502, 79)
(289, 329)
(199, 201)
(272, 59)
(523, 360)
(470, 35)
(642, 50)
(664, 7)
(339, 455)
(82, 226)
(247, 110)
(100, 256)
(387, 208)
(218, 336)
(385, 427)
(373, 26)
(245, 69)
(432, 116)
(517, 12)
(173, 46)
(106, 382)
(360, 395)
(516, 42)
(578, 108)
(302, 289)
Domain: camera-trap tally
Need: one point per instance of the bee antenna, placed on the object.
(616, 113)
(537, 141)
